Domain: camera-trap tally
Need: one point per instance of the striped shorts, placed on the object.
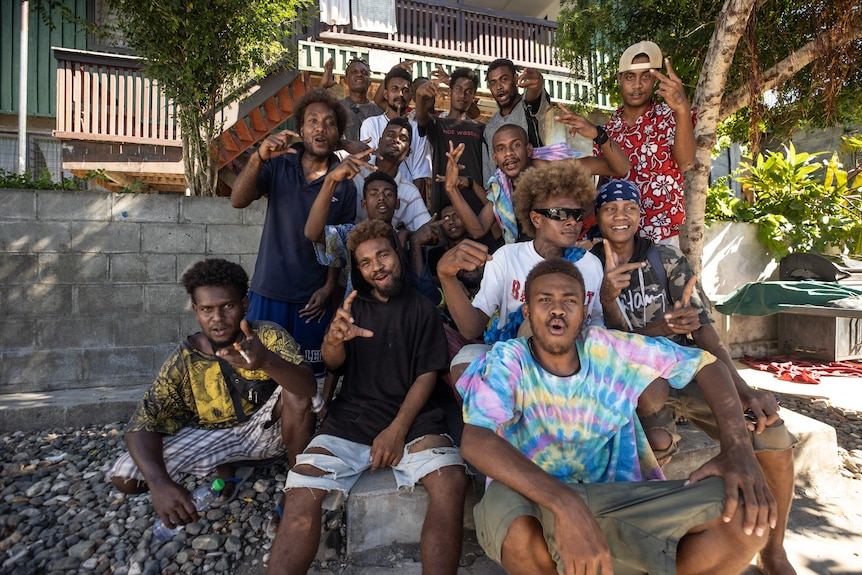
(200, 451)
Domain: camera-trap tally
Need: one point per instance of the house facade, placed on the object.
(106, 115)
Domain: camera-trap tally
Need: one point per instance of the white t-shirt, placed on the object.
(418, 163)
(412, 211)
(502, 286)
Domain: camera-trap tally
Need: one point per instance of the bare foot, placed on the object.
(775, 562)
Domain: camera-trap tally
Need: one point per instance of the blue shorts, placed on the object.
(309, 335)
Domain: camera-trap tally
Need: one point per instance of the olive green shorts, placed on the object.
(642, 522)
(690, 403)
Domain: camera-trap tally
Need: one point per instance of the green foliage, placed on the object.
(201, 53)
(801, 205)
(828, 90)
(41, 181)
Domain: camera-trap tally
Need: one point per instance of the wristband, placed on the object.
(469, 183)
(602, 136)
(261, 157)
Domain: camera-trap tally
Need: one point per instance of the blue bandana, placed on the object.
(617, 190)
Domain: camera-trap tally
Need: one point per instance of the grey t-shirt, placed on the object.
(520, 116)
(356, 113)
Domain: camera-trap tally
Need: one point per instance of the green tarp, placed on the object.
(765, 298)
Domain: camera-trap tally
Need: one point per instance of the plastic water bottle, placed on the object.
(202, 497)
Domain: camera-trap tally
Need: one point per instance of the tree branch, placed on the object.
(785, 69)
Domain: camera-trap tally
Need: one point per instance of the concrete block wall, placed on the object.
(89, 281)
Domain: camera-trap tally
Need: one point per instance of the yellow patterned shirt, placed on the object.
(190, 390)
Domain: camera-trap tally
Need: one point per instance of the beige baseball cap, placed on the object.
(651, 49)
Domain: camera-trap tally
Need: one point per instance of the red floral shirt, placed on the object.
(649, 145)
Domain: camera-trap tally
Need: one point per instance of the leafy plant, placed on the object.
(41, 181)
(800, 204)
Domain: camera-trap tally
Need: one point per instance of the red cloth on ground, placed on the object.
(798, 370)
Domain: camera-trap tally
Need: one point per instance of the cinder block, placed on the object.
(18, 204)
(18, 269)
(68, 206)
(35, 300)
(145, 329)
(34, 236)
(189, 324)
(58, 332)
(185, 261)
(230, 239)
(173, 239)
(17, 334)
(208, 210)
(145, 208)
(161, 353)
(248, 261)
(254, 214)
(106, 237)
(108, 299)
(24, 371)
(378, 514)
(73, 268)
(143, 268)
(167, 299)
(102, 364)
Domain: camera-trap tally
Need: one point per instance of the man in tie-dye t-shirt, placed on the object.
(551, 421)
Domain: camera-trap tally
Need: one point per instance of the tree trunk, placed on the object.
(711, 84)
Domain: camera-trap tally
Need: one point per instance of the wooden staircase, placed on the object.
(259, 119)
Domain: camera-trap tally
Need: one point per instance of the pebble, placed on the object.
(58, 513)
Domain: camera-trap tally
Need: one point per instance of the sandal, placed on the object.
(274, 521)
(235, 482)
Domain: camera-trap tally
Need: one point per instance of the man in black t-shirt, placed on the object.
(387, 340)
(457, 128)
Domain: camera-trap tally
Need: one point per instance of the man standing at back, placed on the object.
(457, 127)
(527, 110)
(658, 138)
(398, 90)
(357, 76)
(289, 287)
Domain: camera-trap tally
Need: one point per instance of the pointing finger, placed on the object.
(246, 329)
(670, 71)
(348, 301)
(689, 289)
(610, 257)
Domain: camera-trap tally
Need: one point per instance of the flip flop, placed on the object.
(274, 522)
(240, 477)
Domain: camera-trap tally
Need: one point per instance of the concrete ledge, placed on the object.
(69, 408)
(378, 514)
(816, 452)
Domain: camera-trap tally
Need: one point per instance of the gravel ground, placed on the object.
(58, 515)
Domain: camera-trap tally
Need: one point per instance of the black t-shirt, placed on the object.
(379, 371)
(468, 132)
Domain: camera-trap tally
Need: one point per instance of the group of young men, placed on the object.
(568, 420)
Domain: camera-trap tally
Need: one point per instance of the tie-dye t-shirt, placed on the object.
(580, 428)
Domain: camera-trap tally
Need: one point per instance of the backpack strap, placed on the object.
(654, 259)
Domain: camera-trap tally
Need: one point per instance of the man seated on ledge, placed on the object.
(551, 421)
(387, 340)
(217, 399)
(651, 289)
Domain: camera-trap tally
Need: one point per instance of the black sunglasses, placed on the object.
(562, 214)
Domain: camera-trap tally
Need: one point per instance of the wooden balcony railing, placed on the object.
(467, 32)
(106, 97)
